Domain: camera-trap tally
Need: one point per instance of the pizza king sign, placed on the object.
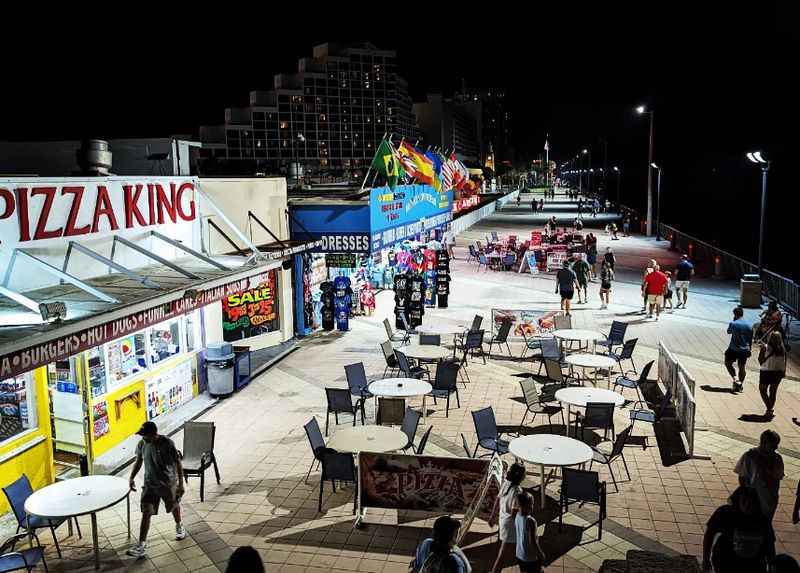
(36, 209)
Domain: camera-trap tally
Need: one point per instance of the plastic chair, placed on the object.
(424, 441)
(486, 430)
(581, 486)
(535, 405)
(338, 466)
(408, 370)
(316, 441)
(198, 452)
(465, 444)
(340, 402)
(597, 416)
(501, 337)
(616, 336)
(624, 382)
(357, 381)
(625, 354)
(445, 383)
(388, 355)
(402, 337)
(430, 339)
(12, 559)
(607, 453)
(390, 411)
(409, 427)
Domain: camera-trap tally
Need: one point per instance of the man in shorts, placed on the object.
(683, 274)
(581, 270)
(565, 284)
(655, 285)
(738, 351)
(163, 481)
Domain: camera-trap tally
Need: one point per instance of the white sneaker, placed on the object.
(139, 551)
(180, 532)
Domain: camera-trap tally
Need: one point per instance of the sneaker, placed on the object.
(180, 532)
(649, 316)
(657, 318)
(139, 551)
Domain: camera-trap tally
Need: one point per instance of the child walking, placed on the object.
(530, 557)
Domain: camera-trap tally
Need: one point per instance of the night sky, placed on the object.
(717, 75)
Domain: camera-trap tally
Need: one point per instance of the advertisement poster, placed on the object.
(405, 212)
(524, 322)
(536, 238)
(251, 312)
(169, 390)
(100, 419)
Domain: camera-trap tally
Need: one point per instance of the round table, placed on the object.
(595, 361)
(580, 335)
(401, 388)
(426, 352)
(579, 397)
(80, 496)
(367, 438)
(549, 450)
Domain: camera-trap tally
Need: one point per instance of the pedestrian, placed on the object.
(668, 293)
(541, 205)
(610, 258)
(591, 254)
(518, 199)
(578, 225)
(606, 276)
(580, 206)
(581, 270)
(738, 538)
(772, 360)
(439, 553)
(595, 207)
(683, 275)
(245, 559)
(762, 469)
(552, 224)
(163, 481)
(509, 491)
(626, 225)
(655, 285)
(738, 351)
(614, 232)
(450, 242)
(565, 284)
(530, 556)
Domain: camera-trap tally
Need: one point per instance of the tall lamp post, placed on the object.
(757, 158)
(641, 110)
(619, 175)
(658, 201)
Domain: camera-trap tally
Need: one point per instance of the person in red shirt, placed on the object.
(655, 285)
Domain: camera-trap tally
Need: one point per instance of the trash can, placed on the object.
(220, 368)
(750, 291)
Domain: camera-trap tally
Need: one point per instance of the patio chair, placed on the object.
(532, 343)
(486, 430)
(198, 452)
(624, 382)
(408, 369)
(474, 327)
(597, 416)
(338, 466)
(581, 486)
(424, 441)
(445, 383)
(17, 493)
(556, 376)
(562, 322)
(409, 330)
(641, 412)
(616, 336)
(316, 441)
(341, 402)
(357, 381)
(626, 353)
(607, 453)
(13, 559)
(534, 404)
(495, 238)
(388, 355)
(473, 341)
(473, 254)
(550, 350)
(390, 411)
(430, 339)
(402, 337)
(409, 427)
(482, 262)
(465, 445)
(501, 337)
(509, 261)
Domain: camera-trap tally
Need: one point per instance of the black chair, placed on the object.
(607, 453)
(597, 416)
(357, 381)
(477, 320)
(409, 330)
(550, 350)
(17, 494)
(402, 337)
(581, 486)
(430, 339)
(340, 402)
(616, 336)
(390, 411)
(445, 383)
(338, 466)
(501, 337)
(556, 376)
(486, 430)
(409, 427)
(316, 441)
(625, 354)
(532, 343)
(13, 559)
(535, 405)
(198, 452)
(465, 444)
(408, 369)
(424, 441)
(641, 412)
(388, 355)
(473, 254)
(624, 382)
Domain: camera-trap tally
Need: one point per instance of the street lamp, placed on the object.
(757, 158)
(658, 201)
(619, 175)
(641, 110)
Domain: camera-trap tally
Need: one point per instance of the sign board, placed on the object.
(251, 312)
(406, 211)
(536, 238)
(340, 228)
(524, 322)
(340, 260)
(555, 260)
(491, 484)
(169, 390)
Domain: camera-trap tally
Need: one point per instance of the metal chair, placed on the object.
(482, 262)
(562, 322)
(557, 376)
(390, 411)
(445, 383)
(12, 559)
(430, 339)
(357, 381)
(597, 416)
(316, 441)
(338, 466)
(501, 337)
(408, 369)
(473, 341)
(198, 452)
(388, 355)
(409, 330)
(641, 412)
(424, 441)
(581, 486)
(607, 453)
(532, 343)
(625, 354)
(509, 261)
(616, 336)
(340, 402)
(624, 382)
(465, 444)
(535, 405)
(550, 350)
(486, 430)
(409, 427)
(17, 493)
(402, 337)
(495, 238)
(473, 254)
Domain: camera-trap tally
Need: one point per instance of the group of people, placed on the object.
(536, 206)
(658, 287)
(577, 273)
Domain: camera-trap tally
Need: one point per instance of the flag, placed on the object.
(546, 145)
(436, 160)
(416, 164)
(460, 173)
(388, 164)
(448, 174)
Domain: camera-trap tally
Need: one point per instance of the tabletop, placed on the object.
(578, 334)
(441, 329)
(590, 360)
(77, 496)
(368, 439)
(399, 387)
(425, 351)
(550, 450)
(580, 396)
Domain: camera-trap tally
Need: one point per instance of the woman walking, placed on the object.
(772, 358)
(606, 276)
(508, 511)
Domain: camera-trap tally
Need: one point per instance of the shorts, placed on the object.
(605, 287)
(582, 283)
(152, 496)
(739, 356)
(681, 284)
(567, 294)
(655, 299)
(770, 377)
(529, 566)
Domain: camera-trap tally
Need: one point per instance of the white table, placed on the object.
(401, 388)
(549, 450)
(580, 335)
(425, 352)
(80, 496)
(579, 397)
(594, 361)
(368, 439)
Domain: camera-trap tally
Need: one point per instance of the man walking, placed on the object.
(163, 481)
(565, 284)
(581, 270)
(738, 351)
(683, 274)
(655, 285)
(762, 469)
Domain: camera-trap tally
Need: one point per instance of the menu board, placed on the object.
(169, 390)
(340, 260)
(251, 312)
(100, 425)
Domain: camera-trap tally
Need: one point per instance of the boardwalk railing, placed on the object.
(677, 379)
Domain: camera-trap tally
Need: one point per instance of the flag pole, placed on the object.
(363, 183)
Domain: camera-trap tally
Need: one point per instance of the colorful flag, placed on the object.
(460, 173)
(416, 164)
(448, 173)
(436, 160)
(388, 164)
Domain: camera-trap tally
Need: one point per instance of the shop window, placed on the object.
(126, 357)
(17, 406)
(165, 341)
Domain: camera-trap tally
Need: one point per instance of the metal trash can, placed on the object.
(219, 369)
(750, 291)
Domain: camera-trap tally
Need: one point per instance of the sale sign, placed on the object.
(251, 312)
